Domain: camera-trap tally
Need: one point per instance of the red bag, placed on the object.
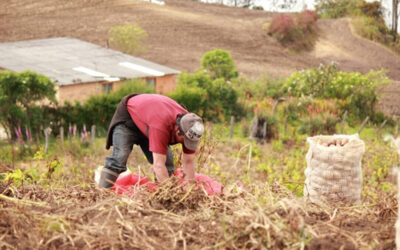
(211, 186)
(126, 183)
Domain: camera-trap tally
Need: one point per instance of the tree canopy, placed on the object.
(219, 64)
(20, 93)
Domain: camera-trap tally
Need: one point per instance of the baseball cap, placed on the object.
(192, 127)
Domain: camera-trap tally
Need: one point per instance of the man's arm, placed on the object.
(188, 166)
(159, 167)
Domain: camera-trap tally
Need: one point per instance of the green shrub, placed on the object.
(257, 7)
(192, 98)
(272, 127)
(259, 89)
(372, 29)
(219, 64)
(7, 157)
(323, 123)
(20, 95)
(128, 38)
(213, 85)
(367, 19)
(356, 90)
(311, 82)
(336, 8)
(371, 9)
(97, 110)
(132, 86)
(199, 79)
(294, 108)
(218, 98)
(223, 94)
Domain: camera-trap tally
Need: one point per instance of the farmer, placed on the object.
(154, 122)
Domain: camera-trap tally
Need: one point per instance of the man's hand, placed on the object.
(159, 167)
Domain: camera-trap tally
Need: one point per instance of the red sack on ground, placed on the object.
(125, 184)
(211, 186)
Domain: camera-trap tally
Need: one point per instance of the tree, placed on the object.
(395, 5)
(128, 38)
(219, 64)
(214, 100)
(19, 94)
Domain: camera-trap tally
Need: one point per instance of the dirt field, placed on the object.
(182, 31)
(66, 211)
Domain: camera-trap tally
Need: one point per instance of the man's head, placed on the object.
(191, 127)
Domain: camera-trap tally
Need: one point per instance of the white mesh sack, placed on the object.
(396, 144)
(333, 172)
(397, 225)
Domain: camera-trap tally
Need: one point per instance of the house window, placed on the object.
(107, 88)
(150, 82)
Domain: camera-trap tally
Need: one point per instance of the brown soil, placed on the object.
(66, 215)
(179, 34)
(182, 31)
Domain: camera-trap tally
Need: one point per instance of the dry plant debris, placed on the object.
(173, 218)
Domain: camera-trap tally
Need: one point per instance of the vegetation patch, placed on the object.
(367, 19)
(297, 32)
(261, 206)
(128, 38)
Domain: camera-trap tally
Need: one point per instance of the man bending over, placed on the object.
(154, 122)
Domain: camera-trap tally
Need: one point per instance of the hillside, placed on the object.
(182, 31)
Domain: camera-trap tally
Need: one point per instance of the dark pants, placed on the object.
(124, 138)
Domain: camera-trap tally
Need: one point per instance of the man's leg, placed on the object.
(123, 140)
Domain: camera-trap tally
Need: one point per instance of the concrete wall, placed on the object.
(78, 92)
(3, 134)
(165, 84)
(82, 91)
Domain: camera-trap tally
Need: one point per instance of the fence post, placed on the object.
(253, 128)
(275, 105)
(62, 134)
(232, 125)
(343, 123)
(47, 132)
(265, 130)
(363, 125)
(93, 132)
(380, 128)
(74, 130)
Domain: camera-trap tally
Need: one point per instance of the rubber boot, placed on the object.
(107, 178)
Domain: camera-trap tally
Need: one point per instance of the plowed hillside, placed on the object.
(180, 32)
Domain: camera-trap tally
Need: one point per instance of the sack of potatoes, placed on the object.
(333, 173)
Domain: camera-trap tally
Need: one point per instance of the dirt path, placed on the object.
(353, 53)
